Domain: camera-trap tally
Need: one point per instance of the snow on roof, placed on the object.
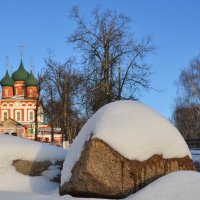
(132, 129)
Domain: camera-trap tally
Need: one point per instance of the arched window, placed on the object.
(18, 115)
(6, 93)
(31, 93)
(5, 115)
(31, 116)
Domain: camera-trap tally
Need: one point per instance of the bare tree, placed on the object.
(113, 59)
(62, 83)
(48, 96)
(38, 104)
(186, 118)
(186, 115)
(190, 81)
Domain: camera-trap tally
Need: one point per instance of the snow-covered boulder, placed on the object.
(123, 146)
(19, 157)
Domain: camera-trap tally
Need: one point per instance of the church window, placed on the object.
(5, 115)
(16, 91)
(31, 116)
(18, 116)
(31, 93)
(6, 93)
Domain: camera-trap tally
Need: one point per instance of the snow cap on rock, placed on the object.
(134, 130)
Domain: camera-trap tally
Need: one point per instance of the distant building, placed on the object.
(18, 107)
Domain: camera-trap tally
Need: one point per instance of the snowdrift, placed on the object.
(175, 186)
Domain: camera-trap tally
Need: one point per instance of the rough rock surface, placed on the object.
(36, 168)
(103, 172)
(31, 168)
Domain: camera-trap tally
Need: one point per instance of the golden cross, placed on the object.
(7, 61)
(21, 51)
(31, 63)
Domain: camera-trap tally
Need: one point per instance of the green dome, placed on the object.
(31, 80)
(6, 80)
(21, 74)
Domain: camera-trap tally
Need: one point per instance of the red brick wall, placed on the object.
(19, 88)
(32, 92)
(9, 92)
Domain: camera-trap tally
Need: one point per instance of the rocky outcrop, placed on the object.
(103, 172)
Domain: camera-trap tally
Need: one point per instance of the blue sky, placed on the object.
(40, 25)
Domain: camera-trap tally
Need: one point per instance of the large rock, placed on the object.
(103, 172)
(122, 147)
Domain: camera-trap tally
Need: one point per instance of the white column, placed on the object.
(25, 114)
(2, 115)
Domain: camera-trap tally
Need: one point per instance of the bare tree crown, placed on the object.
(111, 55)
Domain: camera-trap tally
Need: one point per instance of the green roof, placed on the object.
(6, 80)
(21, 74)
(31, 80)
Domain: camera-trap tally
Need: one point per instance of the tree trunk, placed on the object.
(36, 118)
(65, 125)
(52, 131)
(119, 83)
(106, 75)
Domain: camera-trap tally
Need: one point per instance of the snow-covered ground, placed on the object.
(175, 186)
(15, 186)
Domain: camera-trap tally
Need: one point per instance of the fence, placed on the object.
(193, 143)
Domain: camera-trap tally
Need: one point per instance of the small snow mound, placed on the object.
(132, 129)
(182, 185)
(13, 148)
